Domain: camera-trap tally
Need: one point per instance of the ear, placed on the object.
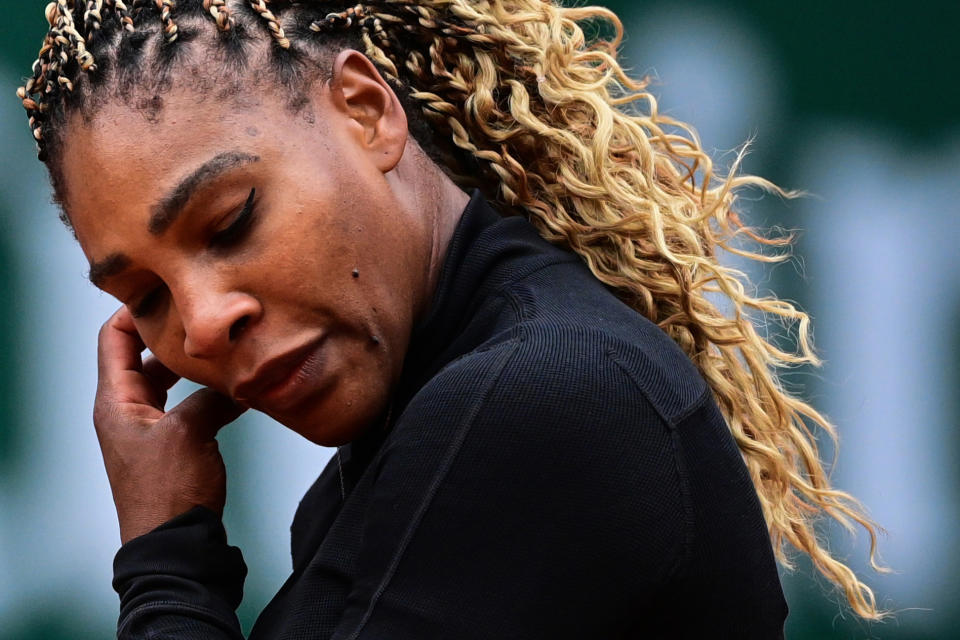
(375, 118)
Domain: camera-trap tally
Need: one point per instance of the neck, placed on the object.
(451, 202)
(423, 188)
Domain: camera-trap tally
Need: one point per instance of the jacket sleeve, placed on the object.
(180, 581)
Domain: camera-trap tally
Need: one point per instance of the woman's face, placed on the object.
(263, 254)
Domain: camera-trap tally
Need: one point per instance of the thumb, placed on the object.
(205, 411)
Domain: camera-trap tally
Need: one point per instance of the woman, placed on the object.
(437, 235)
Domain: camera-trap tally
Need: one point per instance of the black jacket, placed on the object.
(555, 468)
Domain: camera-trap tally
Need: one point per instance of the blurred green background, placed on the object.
(856, 102)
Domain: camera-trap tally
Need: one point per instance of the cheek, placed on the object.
(314, 269)
(165, 342)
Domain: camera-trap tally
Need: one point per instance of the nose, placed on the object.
(213, 323)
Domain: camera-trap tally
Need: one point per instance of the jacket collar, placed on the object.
(486, 251)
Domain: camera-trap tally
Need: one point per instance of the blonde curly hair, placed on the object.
(515, 100)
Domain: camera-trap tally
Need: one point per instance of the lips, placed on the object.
(279, 379)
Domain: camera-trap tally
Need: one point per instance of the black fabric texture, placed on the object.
(554, 467)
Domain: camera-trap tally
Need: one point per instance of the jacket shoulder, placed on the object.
(564, 312)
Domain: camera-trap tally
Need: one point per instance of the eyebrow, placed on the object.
(109, 266)
(165, 212)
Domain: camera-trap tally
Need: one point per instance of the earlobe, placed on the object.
(372, 108)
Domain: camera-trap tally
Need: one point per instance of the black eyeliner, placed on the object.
(240, 224)
(220, 240)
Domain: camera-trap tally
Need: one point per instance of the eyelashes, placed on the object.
(147, 303)
(227, 238)
(238, 228)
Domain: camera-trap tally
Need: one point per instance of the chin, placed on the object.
(333, 422)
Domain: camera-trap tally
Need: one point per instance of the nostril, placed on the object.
(237, 327)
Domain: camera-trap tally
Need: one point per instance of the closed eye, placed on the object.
(223, 239)
(147, 303)
(237, 229)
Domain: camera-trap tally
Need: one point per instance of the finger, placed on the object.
(162, 377)
(119, 346)
(159, 378)
(206, 411)
(120, 366)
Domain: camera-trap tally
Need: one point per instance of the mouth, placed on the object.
(283, 380)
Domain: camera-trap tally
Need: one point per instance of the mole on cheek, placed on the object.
(356, 273)
(253, 132)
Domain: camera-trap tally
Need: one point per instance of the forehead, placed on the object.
(148, 138)
(127, 156)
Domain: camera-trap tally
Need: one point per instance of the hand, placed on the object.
(159, 463)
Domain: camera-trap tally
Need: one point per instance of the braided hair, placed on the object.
(511, 97)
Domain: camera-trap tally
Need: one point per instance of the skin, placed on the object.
(350, 224)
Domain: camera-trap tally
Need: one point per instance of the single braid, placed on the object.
(169, 26)
(123, 13)
(381, 53)
(260, 6)
(33, 109)
(93, 17)
(342, 20)
(221, 13)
